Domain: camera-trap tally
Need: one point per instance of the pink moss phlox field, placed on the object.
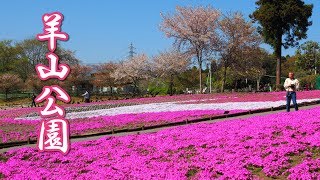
(16, 112)
(140, 119)
(284, 145)
(254, 97)
(185, 99)
(218, 98)
(105, 123)
(197, 98)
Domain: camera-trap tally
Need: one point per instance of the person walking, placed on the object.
(33, 101)
(269, 87)
(291, 85)
(86, 96)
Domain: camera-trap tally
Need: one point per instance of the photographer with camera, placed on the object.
(291, 85)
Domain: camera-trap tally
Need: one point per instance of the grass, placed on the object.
(257, 172)
(15, 96)
(3, 158)
(192, 172)
(15, 102)
(315, 152)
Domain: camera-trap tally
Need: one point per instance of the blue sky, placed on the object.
(101, 31)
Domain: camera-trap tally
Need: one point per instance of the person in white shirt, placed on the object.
(291, 85)
(86, 96)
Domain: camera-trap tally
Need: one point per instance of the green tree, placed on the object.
(22, 68)
(34, 51)
(289, 65)
(188, 79)
(8, 56)
(282, 24)
(307, 56)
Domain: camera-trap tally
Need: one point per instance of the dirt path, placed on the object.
(157, 129)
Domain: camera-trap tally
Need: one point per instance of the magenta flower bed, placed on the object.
(17, 112)
(219, 98)
(197, 98)
(186, 99)
(224, 97)
(103, 123)
(137, 120)
(254, 97)
(282, 145)
(17, 130)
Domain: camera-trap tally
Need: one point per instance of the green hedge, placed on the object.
(317, 86)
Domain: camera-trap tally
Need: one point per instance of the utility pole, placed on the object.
(131, 51)
(315, 60)
(210, 77)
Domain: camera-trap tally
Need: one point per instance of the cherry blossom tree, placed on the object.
(132, 70)
(194, 30)
(9, 83)
(35, 84)
(103, 76)
(67, 56)
(238, 40)
(168, 64)
(80, 76)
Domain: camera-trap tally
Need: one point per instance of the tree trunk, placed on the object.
(224, 78)
(171, 85)
(200, 74)
(6, 95)
(77, 90)
(199, 56)
(236, 85)
(258, 84)
(111, 90)
(278, 56)
(136, 89)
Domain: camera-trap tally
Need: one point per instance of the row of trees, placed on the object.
(202, 31)
(203, 36)
(205, 33)
(21, 57)
(18, 61)
(168, 72)
(282, 24)
(305, 63)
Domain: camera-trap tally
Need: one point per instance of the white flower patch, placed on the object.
(174, 106)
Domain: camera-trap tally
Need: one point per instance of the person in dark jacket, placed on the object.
(33, 101)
